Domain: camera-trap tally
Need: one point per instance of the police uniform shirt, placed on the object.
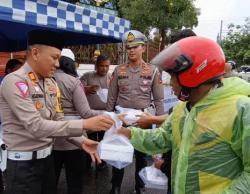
(74, 103)
(28, 108)
(132, 88)
(92, 78)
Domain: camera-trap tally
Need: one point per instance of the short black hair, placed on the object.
(67, 65)
(181, 34)
(101, 58)
(11, 64)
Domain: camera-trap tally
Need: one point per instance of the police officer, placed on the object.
(132, 86)
(93, 81)
(11, 65)
(75, 105)
(30, 107)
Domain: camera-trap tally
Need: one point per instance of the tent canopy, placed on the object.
(77, 25)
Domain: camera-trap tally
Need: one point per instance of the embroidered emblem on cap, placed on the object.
(130, 37)
(22, 87)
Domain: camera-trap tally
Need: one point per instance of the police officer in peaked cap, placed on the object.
(141, 82)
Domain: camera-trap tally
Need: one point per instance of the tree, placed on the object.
(165, 15)
(236, 44)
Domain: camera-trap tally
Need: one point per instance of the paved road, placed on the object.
(99, 183)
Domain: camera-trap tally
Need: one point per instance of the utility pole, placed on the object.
(221, 23)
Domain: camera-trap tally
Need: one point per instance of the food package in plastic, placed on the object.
(103, 94)
(116, 149)
(153, 178)
(131, 114)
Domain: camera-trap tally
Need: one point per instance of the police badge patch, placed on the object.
(22, 87)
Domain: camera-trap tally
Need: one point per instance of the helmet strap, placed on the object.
(185, 91)
(184, 94)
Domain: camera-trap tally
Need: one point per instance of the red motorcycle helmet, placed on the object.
(194, 60)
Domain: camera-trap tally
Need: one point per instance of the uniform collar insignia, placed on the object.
(33, 77)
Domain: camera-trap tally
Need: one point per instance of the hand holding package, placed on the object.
(131, 114)
(116, 149)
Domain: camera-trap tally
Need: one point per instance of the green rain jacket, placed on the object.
(210, 144)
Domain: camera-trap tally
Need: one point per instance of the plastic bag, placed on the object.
(103, 94)
(115, 149)
(131, 114)
(153, 178)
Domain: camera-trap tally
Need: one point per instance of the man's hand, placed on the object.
(144, 121)
(90, 147)
(158, 162)
(125, 131)
(91, 89)
(122, 116)
(98, 123)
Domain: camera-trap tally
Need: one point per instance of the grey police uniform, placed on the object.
(134, 87)
(74, 103)
(30, 110)
(28, 113)
(75, 106)
(92, 78)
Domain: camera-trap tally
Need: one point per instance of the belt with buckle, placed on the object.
(23, 155)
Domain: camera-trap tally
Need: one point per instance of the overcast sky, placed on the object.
(213, 11)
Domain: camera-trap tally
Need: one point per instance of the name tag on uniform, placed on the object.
(37, 95)
(122, 77)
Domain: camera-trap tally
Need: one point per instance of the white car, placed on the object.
(245, 72)
(244, 75)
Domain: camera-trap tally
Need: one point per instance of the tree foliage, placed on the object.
(236, 44)
(165, 15)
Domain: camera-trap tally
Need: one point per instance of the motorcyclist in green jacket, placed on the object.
(209, 131)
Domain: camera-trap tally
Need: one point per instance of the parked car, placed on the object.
(244, 72)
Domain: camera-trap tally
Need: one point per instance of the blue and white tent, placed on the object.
(78, 25)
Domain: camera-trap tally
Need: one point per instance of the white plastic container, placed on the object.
(131, 114)
(116, 151)
(153, 178)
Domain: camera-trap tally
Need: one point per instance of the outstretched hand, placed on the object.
(158, 162)
(98, 123)
(144, 121)
(90, 147)
(122, 116)
(125, 131)
(91, 89)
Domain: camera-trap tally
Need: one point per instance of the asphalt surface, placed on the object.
(98, 182)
